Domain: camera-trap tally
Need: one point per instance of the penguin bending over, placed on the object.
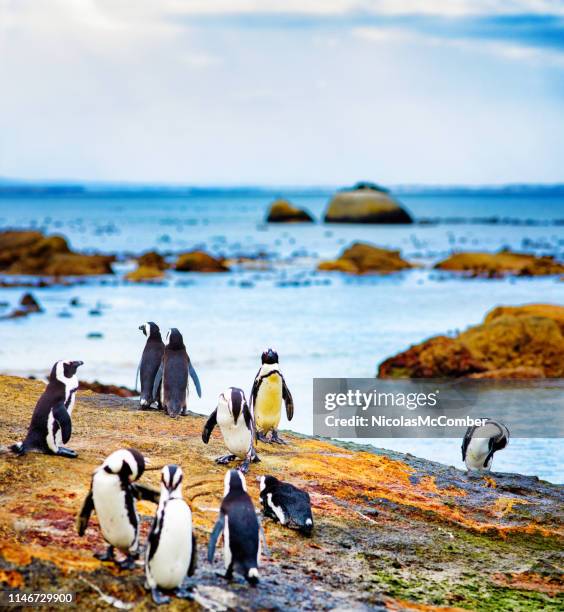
(481, 442)
(171, 549)
(172, 376)
(239, 524)
(285, 503)
(112, 495)
(51, 424)
(236, 423)
(149, 364)
(269, 389)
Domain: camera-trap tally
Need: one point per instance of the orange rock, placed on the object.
(200, 261)
(144, 274)
(362, 258)
(281, 211)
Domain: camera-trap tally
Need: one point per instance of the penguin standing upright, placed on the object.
(149, 364)
(51, 424)
(236, 423)
(172, 375)
(112, 495)
(171, 549)
(286, 504)
(481, 442)
(240, 526)
(269, 389)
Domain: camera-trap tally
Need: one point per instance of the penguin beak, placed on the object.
(77, 364)
(141, 327)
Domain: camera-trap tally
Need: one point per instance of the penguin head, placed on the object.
(269, 356)
(150, 329)
(174, 340)
(234, 482)
(127, 463)
(267, 482)
(63, 371)
(236, 401)
(171, 479)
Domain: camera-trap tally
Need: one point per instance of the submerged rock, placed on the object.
(391, 531)
(362, 258)
(281, 211)
(28, 305)
(30, 252)
(513, 342)
(504, 263)
(365, 203)
(200, 261)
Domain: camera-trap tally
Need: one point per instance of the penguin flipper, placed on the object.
(250, 423)
(208, 427)
(287, 396)
(194, 557)
(62, 417)
(137, 377)
(195, 378)
(466, 441)
(158, 380)
(84, 514)
(215, 536)
(145, 492)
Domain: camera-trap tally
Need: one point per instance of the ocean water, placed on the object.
(323, 325)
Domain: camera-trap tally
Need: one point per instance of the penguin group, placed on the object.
(170, 551)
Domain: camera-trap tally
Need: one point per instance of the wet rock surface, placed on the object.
(365, 203)
(513, 342)
(392, 532)
(282, 211)
(363, 258)
(200, 261)
(504, 263)
(30, 252)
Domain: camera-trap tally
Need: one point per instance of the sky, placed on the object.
(282, 92)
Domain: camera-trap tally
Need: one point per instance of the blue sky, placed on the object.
(283, 92)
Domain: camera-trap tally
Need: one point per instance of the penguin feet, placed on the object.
(275, 438)
(183, 593)
(106, 556)
(244, 466)
(262, 438)
(225, 459)
(67, 452)
(158, 597)
(128, 563)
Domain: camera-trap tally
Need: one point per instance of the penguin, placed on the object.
(112, 495)
(236, 423)
(269, 389)
(172, 376)
(149, 364)
(240, 526)
(51, 424)
(481, 442)
(171, 552)
(286, 504)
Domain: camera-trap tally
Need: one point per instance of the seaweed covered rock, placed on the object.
(392, 532)
(200, 261)
(513, 342)
(504, 263)
(365, 203)
(30, 252)
(281, 211)
(362, 258)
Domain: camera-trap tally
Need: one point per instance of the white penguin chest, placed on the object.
(111, 509)
(236, 436)
(170, 562)
(476, 453)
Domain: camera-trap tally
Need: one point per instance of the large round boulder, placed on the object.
(365, 203)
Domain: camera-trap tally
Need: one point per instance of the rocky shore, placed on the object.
(513, 342)
(392, 532)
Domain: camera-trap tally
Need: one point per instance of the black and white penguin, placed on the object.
(171, 548)
(269, 389)
(112, 495)
(172, 376)
(481, 442)
(149, 364)
(286, 504)
(236, 423)
(51, 424)
(239, 524)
